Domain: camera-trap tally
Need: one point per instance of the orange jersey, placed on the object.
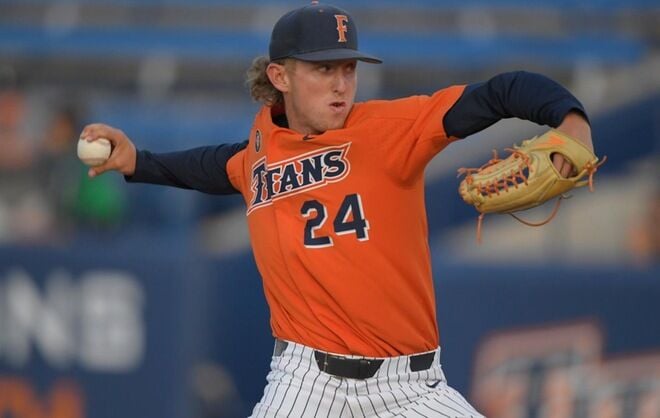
(338, 226)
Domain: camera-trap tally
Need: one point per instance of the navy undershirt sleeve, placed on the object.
(519, 94)
(203, 168)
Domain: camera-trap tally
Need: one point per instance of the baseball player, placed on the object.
(334, 192)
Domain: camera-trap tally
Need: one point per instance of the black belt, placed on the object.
(357, 368)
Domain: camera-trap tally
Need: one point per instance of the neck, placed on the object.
(295, 123)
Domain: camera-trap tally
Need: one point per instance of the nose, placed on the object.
(341, 81)
(339, 85)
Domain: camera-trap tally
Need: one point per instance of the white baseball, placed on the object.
(94, 153)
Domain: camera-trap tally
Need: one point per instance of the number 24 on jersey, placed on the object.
(349, 219)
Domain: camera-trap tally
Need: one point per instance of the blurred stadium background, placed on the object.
(140, 301)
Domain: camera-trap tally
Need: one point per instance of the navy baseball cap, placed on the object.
(317, 32)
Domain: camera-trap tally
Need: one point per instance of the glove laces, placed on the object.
(513, 179)
(517, 177)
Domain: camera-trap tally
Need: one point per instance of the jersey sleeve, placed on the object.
(410, 131)
(203, 169)
(236, 170)
(429, 124)
(519, 94)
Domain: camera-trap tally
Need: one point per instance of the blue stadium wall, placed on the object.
(92, 332)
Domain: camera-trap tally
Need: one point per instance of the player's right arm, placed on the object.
(202, 168)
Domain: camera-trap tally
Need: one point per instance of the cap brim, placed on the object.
(337, 54)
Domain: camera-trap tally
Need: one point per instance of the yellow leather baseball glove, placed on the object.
(527, 177)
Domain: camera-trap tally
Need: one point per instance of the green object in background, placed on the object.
(100, 201)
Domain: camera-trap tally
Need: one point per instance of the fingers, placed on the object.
(95, 131)
(100, 169)
(563, 166)
(565, 169)
(95, 171)
(123, 156)
(558, 162)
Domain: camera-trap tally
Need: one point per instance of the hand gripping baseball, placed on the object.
(528, 177)
(123, 156)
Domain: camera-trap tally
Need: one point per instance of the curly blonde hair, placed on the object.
(261, 89)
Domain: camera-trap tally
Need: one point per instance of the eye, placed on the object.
(324, 68)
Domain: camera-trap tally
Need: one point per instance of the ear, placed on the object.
(278, 77)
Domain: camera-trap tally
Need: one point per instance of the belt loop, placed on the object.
(421, 362)
(325, 362)
(364, 369)
(280, 346)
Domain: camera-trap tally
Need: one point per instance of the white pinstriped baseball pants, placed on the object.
(297, 388)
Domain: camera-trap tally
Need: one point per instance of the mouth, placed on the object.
(338, 106)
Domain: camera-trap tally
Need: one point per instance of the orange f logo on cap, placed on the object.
(341, 27)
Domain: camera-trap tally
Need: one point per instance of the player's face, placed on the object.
(320, 95)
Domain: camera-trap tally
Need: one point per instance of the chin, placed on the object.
(332, 122)
(338, 123)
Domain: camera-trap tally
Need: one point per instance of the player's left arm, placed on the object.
(523, 95)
